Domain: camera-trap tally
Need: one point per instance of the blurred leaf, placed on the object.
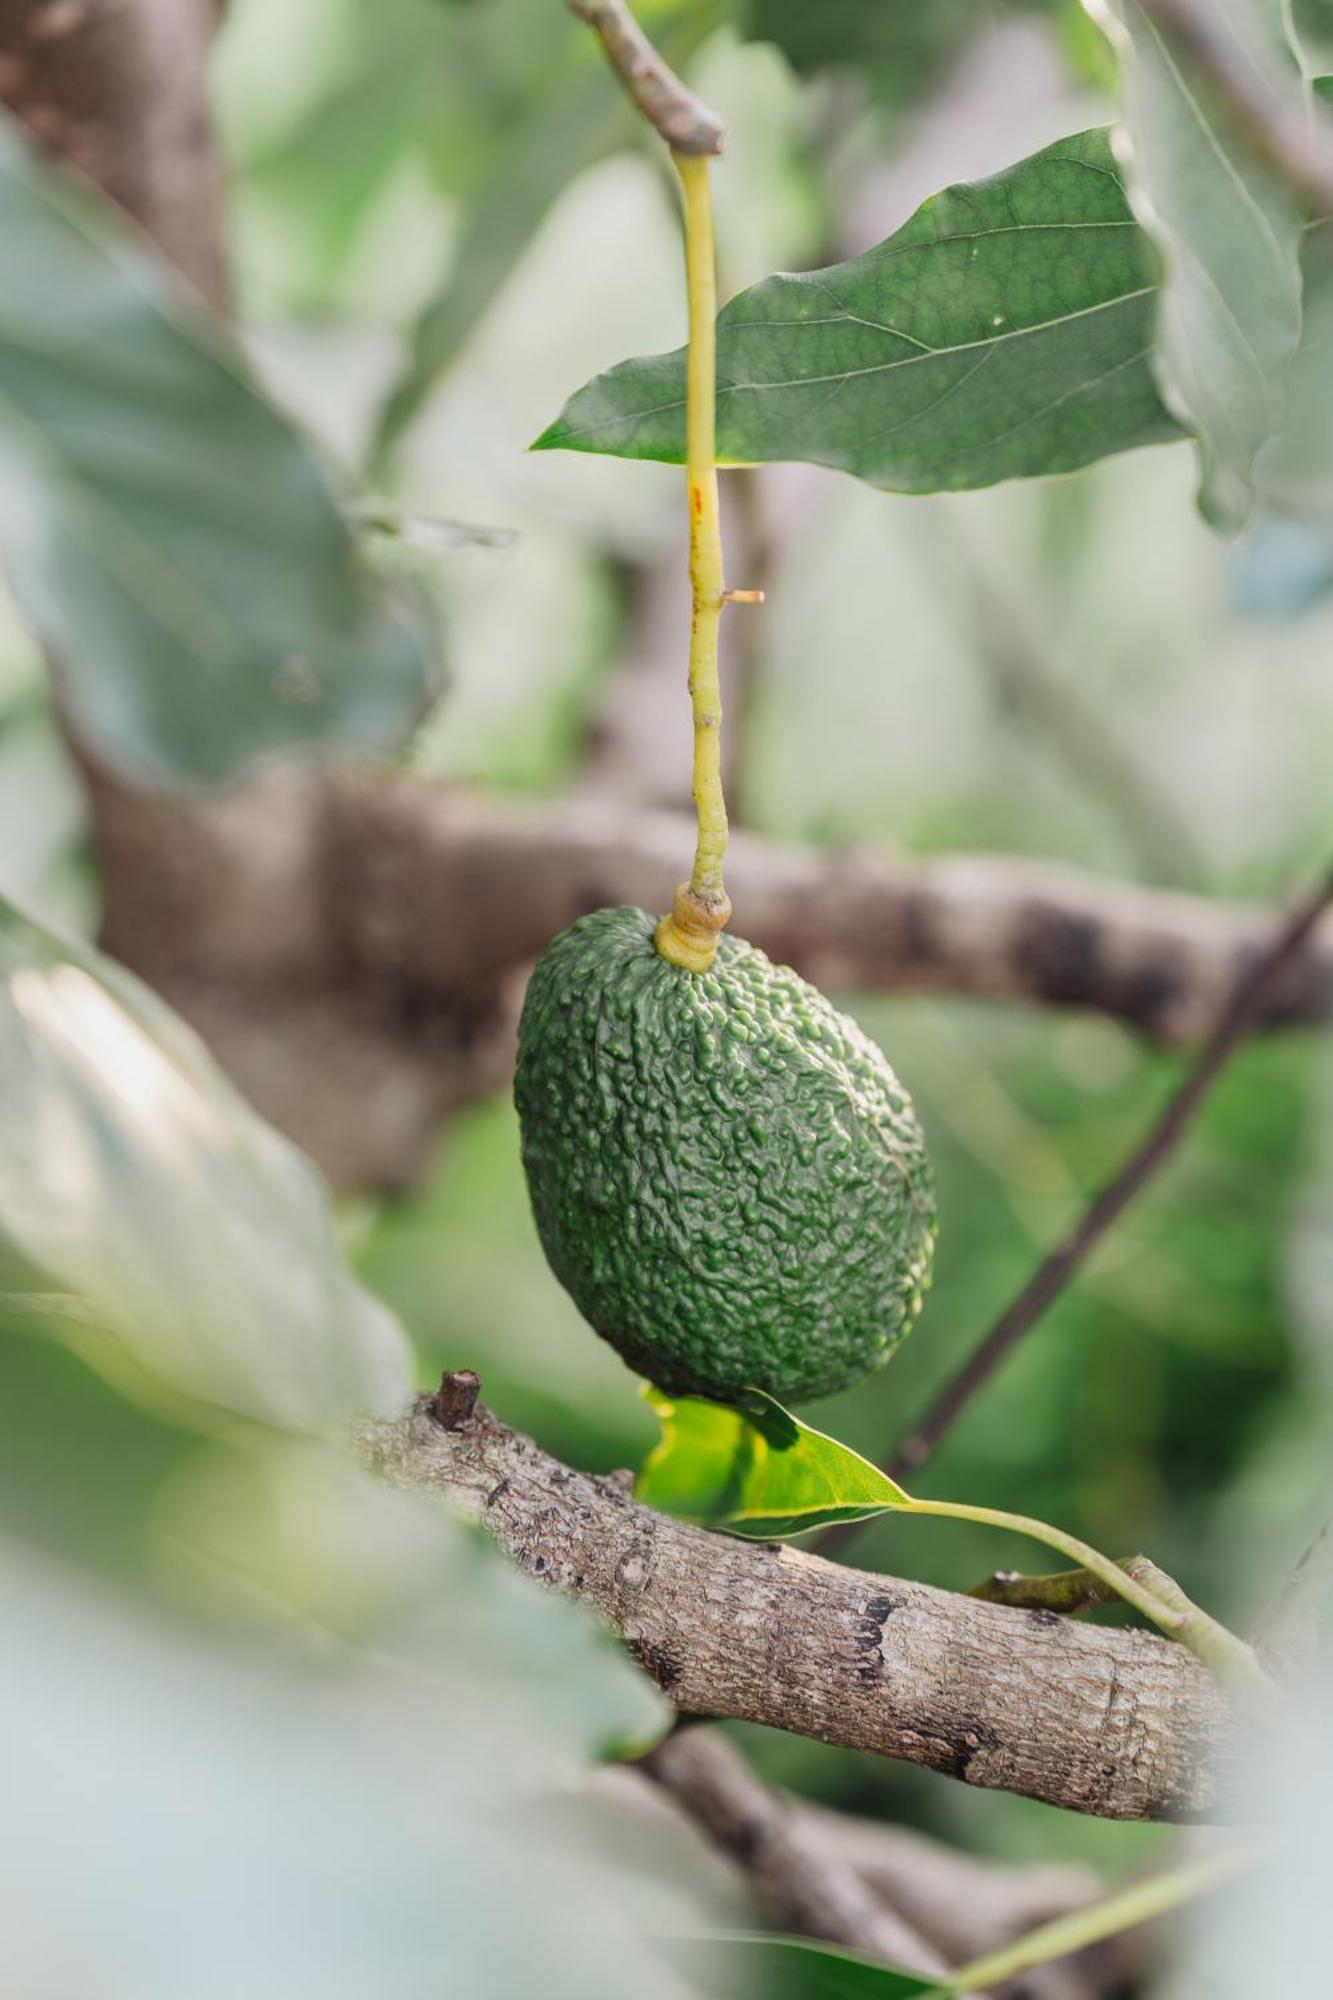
(1229, 230)
(135, 1178)
(300, 1813)
(165, 532)
(759, 1472)
(1294, 471)
(1002, 332)
(792, 1968)
(429, 533)
(299, 1531)
(576, 119)
(895, 52)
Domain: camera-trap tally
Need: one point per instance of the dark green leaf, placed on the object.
(166, 533)
(1004, 331)
(1229, 230)
(789, 1968)
(758, 1472)
(161, 1211)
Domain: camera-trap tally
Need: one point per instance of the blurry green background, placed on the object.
(442, 207)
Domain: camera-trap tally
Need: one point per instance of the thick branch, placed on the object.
(509, 878)
(410, 912)
(1117, 1723)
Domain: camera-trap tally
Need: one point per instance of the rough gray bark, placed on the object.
(1116, 1723)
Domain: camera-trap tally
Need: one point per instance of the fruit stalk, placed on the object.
(688, 937)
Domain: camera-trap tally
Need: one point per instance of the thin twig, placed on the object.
(1293, 138)
(657, 92)
(1057, 1270)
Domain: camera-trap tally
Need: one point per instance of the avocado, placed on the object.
(726, 1175)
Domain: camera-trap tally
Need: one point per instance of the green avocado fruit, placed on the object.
(726, 1175)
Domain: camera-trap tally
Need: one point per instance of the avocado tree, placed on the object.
(279, 1719)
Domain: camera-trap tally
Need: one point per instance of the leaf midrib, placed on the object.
(877, 368)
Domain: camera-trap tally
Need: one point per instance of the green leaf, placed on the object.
(1229, 230)
(758, 1471)
(791, 1968)
(167, 535)
(1004, 331)
(184, 1232)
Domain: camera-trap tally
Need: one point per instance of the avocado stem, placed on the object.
(689, 935)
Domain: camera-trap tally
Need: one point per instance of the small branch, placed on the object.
(1052, 1276)
(1067, 1592)
(454, 1401)
(1103, 1720)
(1295, 139)
(961, 1904)
(797, 1883)
(867, 1886)
(657, 92)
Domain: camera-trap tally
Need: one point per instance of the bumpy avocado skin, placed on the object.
(726, 1175)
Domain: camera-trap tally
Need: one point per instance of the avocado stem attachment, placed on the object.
(688, 937)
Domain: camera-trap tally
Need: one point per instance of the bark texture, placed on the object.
(1113, 1722)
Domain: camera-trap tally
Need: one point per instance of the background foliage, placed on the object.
(444, 223)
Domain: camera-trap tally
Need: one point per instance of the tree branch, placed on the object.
(1118, 1723)
(796, 1882)
(818, 1872)
(985, 925)
(656, 91)
(399, 917)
